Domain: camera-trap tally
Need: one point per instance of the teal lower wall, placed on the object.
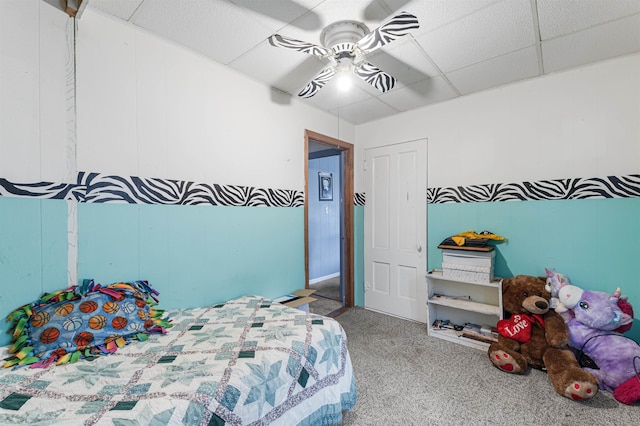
(33, 252)
(596, 242)
(193, 255)
(197, 255)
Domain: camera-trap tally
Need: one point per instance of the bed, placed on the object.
(247, 361)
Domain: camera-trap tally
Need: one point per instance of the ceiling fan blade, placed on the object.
(301, 46)
(394, 28)
(318, 82)
(374, 76)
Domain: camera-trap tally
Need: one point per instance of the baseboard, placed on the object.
(392, 315)
(326, 277)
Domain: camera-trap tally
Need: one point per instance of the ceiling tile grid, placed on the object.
(461, 46)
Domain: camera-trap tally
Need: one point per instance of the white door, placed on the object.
(395, 219)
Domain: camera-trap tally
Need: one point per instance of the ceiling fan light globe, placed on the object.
(343, 81)
(344, 65)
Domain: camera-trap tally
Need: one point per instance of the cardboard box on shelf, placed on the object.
(299, 299)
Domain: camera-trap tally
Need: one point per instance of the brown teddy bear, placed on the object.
(533, 335)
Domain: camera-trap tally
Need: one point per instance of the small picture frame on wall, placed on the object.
(325, 185)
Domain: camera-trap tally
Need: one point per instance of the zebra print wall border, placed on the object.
(102, 188)
(559, 189)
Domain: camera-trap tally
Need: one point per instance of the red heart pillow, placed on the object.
(518, 327)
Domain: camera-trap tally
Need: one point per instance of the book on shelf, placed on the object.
(445, 324)
(483, 333)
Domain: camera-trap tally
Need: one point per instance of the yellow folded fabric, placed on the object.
(460, 238)
(474, 235)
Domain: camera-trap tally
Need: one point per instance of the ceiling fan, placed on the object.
(346, 43)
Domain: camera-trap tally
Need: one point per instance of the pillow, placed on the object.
(83, 321)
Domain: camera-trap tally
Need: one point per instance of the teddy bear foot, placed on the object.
(580, 390)
(567, 378)
(504, 361)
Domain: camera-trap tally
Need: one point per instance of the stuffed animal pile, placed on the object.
(596, 321)
(534, 335)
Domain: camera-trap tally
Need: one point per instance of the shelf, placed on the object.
(455, 337)
(467, 305)
(436, 274)
(481, 303)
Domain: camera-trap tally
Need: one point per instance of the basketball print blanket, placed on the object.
(83, 321)
(246, 361)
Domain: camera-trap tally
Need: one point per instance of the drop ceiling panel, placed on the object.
(490, 32)
(563, 17)
(478, 44)
(217, 29)
(361, 112)
(504, 69)
(282, 12)
(595, 44)
(119, 8)
(434, 14)
(425, 92)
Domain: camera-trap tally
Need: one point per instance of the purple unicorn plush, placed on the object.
(596, 315)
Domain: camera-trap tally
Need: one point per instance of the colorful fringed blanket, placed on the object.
(83, 321)
(246, 361)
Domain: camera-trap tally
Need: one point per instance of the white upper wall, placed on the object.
(569, 124)
(148, 107)
(35, 59)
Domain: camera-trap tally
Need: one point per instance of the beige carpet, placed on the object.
(405, 377)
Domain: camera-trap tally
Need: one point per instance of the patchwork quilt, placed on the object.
(248, 361)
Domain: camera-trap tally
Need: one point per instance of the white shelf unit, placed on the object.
(461, 302)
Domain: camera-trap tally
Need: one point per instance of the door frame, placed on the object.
(347, 206)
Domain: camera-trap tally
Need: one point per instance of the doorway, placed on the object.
(333, 190)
